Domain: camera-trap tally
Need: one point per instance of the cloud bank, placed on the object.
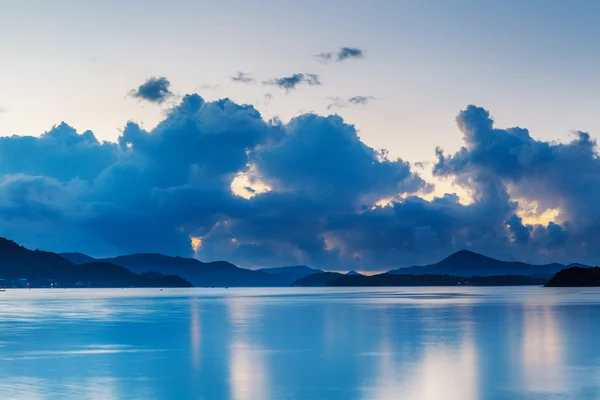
(268, 193)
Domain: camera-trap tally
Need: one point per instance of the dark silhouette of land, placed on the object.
(201, 274)
(21, 267)
(576, 277)
(320, 279)
(468, 263)
(290, 274)
(387, 279)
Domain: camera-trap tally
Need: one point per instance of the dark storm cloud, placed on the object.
(242, 77)
(154, 90)
(291, 82)
(318, 196)
(342, 54)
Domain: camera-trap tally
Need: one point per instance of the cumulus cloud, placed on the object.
(342, 54)
(507, 164)
(315, 192)
(154, 90)
(242, 77)
(291, 82)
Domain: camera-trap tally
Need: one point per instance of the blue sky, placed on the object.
(532, 64)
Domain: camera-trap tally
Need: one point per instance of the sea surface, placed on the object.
(301, 343)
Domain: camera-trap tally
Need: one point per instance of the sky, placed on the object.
(148, 150)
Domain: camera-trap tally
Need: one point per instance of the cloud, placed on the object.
(337, 102)
(268, 97)
(324, 58)
(291, 82)
(313, 188)
(3, 110)
(209, 86)
(344, 53)
(349, 52)
(360, 99)
(242, 77)
(154, 90)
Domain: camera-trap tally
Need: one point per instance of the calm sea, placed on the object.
(301, 343)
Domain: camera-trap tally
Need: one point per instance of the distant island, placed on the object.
(388, 279)
(21, 267)
(576, 277)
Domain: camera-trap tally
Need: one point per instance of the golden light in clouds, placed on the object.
(543, 219)
(247, 185)
(196, 242)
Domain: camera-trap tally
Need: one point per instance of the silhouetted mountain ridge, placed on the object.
(202, 274)
(292, 273)
(469, 263)
(21, 266)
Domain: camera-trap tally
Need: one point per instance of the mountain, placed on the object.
(387, 279)
(288, 275)
(576, 277)
(217, 273)
(103, 274)
(352, 272)
(19, 266)
(468, 263)
(319, 279)
(77, 258)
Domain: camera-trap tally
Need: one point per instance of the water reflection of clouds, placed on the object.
(542, 351)
(444, 367)
(248, 372)
(195, 333)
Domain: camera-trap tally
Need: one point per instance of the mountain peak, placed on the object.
(466, 257)
(353, 272)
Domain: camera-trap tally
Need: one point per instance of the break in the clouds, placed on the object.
(242, 77)
(337, 102)
(309, 191)
(154, 90)
(342, 54)
(291, 82)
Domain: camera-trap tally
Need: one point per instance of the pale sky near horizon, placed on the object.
(533, 64)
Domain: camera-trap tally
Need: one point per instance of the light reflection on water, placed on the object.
(299, 343)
